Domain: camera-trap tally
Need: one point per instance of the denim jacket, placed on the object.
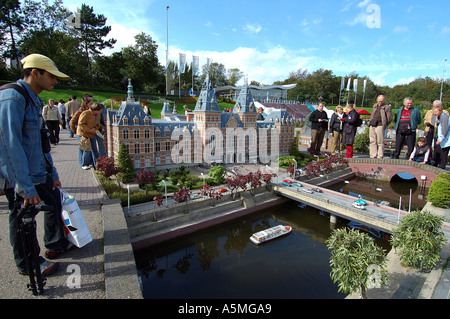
(22, 162)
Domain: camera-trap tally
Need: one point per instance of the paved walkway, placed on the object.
(89, 259)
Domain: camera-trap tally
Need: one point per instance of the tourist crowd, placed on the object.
(432, 149)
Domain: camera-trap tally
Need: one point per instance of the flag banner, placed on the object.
(349, 83)
(342, 83)
(208, 62)
(195, 65)
(182, 63)
(365, 84)
(167, 60)
(355, 85)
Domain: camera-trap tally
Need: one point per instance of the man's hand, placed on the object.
(56, 183)
(34, 200)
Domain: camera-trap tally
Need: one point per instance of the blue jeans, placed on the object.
(90, 157)
(54, 238)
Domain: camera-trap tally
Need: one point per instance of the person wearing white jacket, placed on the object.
(442, 144)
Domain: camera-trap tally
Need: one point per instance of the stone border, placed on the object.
(121, 277)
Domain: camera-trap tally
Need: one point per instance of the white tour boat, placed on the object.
(270, 233)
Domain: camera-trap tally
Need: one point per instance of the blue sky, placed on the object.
(392, 42)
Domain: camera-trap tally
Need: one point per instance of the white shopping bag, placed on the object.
(75, 227)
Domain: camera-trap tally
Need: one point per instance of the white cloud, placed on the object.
(445, 30)
(403, 81)
(401, 29)
(253, 28)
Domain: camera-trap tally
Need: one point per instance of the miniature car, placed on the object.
(298, 184)
(318, 190)
(286, 184)
(359, 206)
(287, 181)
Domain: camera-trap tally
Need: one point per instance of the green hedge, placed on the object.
(439, 192)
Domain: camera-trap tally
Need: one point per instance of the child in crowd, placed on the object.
(421, 152)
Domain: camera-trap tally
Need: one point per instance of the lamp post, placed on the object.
(442, 84)
(295, 167)
(167, 51)
(165, 190)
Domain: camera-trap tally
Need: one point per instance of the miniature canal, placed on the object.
(221, 262)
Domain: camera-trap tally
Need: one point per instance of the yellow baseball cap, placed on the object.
(39, 61)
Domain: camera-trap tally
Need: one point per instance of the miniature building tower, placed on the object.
(130, 91)
(207, 113)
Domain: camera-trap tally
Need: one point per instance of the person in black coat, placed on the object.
(319, 125)
(349, 128)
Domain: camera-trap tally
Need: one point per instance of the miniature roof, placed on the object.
(207, 99)
(131, 110)
(244, 102)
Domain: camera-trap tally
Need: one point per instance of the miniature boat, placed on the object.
(269, 234)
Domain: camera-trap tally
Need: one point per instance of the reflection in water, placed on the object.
(374, 190)
(221, 262)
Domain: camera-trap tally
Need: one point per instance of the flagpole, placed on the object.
(167, 50)
(364, 92)
(192, 70)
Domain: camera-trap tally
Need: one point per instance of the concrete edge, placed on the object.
(121, 277)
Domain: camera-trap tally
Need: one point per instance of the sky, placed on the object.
(391, 42)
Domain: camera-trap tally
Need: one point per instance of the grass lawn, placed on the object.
(100, 96)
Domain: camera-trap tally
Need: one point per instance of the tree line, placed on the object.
(75, 44)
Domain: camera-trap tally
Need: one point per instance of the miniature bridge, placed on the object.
(381, 217)
(388, 168)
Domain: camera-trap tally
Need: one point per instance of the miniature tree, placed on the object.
(126, 174)
(210, 192)
(107, 166)
(419, 239)
(217, 173)
(183, 195)
(356, 262)
(145, 177)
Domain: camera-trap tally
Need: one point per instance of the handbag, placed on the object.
(75, 228)
(85, 144)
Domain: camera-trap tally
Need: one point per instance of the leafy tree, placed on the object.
(141, 64)
(217, 173)
(217, 74)
(126, 167)
(356, 262)
(11, 24)
(91, 32)
(110, 71)
(234, 75)
(419, 239)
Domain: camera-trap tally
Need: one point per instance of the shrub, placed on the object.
(439, 192)
(126, 174)
(419, 239)
(362, 141)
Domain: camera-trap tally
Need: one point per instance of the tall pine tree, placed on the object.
(91, 31)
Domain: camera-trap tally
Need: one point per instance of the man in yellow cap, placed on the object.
(27, 173)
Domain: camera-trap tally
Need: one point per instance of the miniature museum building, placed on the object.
(205, 135)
